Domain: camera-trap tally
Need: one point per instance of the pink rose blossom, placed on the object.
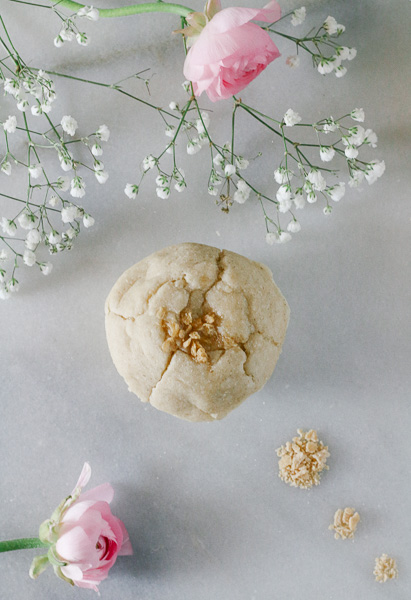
(85, 537)
(229, 52)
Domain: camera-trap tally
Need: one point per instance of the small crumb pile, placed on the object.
(385, 568)
(302, 460)
(345, 523)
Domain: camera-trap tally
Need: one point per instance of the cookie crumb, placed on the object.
(385, 568)
(345, 523)
(302, 460)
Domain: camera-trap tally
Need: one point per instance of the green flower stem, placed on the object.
(21, 544)
(133, 9)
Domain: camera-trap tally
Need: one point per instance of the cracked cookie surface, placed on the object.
(194, 330)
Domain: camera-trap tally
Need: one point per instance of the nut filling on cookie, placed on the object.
(196, 336)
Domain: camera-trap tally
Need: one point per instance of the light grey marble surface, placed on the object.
(208, 517)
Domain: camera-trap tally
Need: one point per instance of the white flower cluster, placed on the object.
(312, 180)
(69, 30)
(28, 85)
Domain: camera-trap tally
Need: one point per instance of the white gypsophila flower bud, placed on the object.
(27, 220)
(271, 237)
(103, 133)
(293, 61)
(162, 180)
(239, 197)
(203, 138)
(330, 25)
(2, 275)
(371, 138)
(336, 192)
(11, 86)
(340, 28)
(229, 170)
(77, 187)
(356, 136)
(327, 153)
(63, 183)
(170, 131)
(186, 85)
(299, 200)
(317, 180)
(241, 163)
(283, 193)
(218, 160)
(293, 227)
(284, 237)
(45, 107)
(96, 150)
(71, 233)
(88, 221)
(69, 213)
(298, 16)
(91, 13)
(10, 124)
(227, 147)
(325, 66)
(149, 162)
(327, 210)
(351, 152)
(66, 163)
(336, 61)
(33, 238)
(193, 146)
(8, 227)
(13, 285)
(213, 191)
(311, 197)
(180, 186)
(58, 41)
(22, 103)
(46, 268)
(4, 293)
(131, 191)
(5, 167)
(243, 187)
(291, 118)
(163, 192)
(69, 124)
(173, 106)
(340, 71)
(356, 178)
(101, 176)
(358, 114)
(352, 53)
(285, 205)
(374, 170)
(4, 255)
(343, 52)
(29, 258)
(66, 33)
(330, 126)
(53, 237)
(35, 171)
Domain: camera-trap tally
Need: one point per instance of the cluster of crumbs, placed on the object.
(345, 523)
(385, 568)
(194, 336)
(302, 460)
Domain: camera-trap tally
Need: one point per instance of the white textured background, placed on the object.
(208, 517)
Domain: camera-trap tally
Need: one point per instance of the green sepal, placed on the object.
(58, 572)
(38, 565)
(54, 557)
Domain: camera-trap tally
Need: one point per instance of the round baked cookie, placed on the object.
(195, 330)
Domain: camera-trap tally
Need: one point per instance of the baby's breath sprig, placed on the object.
(49, 217)
(304, 175)
(322, 43)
